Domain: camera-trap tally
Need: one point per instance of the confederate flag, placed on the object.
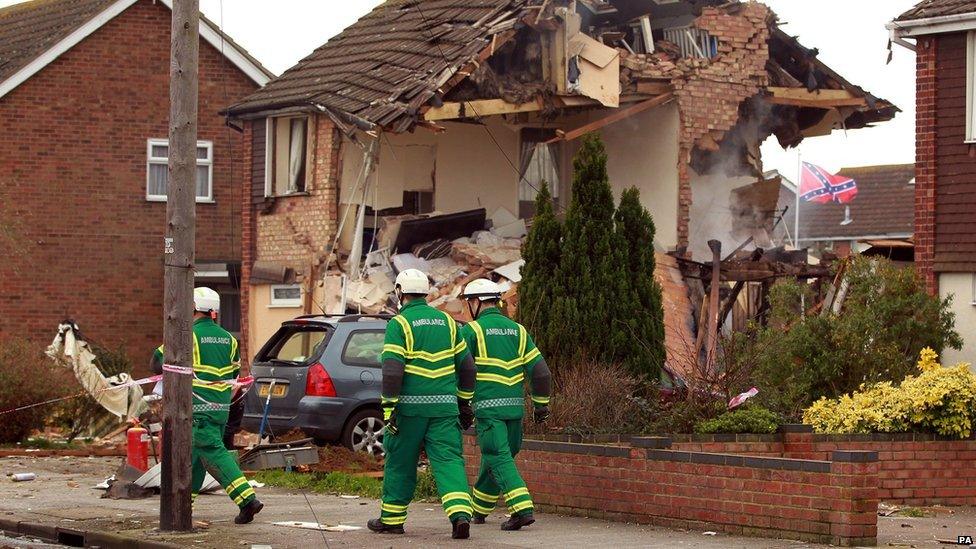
(818, 185)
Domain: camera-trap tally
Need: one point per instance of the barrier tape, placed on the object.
(245, 382)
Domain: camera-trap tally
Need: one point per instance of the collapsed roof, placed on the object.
(404, 59)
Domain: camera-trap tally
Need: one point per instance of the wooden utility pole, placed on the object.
(175, 512)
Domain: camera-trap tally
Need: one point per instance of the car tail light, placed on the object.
(319, 383)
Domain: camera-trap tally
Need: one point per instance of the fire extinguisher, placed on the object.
(137, 448)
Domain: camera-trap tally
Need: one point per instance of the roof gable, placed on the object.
(35, 33)
(885, 206)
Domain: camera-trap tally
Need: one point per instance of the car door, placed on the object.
(281, 369)
(353, 361)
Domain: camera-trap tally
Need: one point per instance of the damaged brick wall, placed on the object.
(709, 96)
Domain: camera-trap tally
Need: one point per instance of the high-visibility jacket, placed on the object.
(427, 343)
(216, 357)
(505, 356)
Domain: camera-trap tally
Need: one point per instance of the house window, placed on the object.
(971, 87)
(286, 156)
(286, 295)
(539, 165)
(157, 170)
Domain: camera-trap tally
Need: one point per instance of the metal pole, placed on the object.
(175, 512)
(796, 215)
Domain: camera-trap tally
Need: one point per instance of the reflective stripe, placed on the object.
(395, 349)
(458, 509)
(431, 374)
(520, 506)
(531, 356)
(496, 403)
(215, 370)
(522, 341)
(455, 495)
(407, 332)
(514, 380)
(219, 386)
(244, 495)
(393, 521)
(523, 491)
(196, 350)
(428, 399)
(391, 508)
(540, 400)
(453, 327)
(431, 357)
(465, 395)
(234, 485)
(460, 347)
(482, 510)
(479, 336)
(483, 496)
(233, 348)
(506, 364)
(390, 400)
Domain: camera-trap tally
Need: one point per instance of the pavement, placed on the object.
(63, 496)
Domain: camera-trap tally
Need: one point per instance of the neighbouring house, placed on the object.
(943, 35)
(880, 221)
(84, 105)
(459, 107)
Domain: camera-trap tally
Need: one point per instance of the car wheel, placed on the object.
(364, 433)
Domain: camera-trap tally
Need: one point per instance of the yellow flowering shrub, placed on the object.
(940, 399)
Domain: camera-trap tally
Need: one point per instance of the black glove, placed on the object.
(541, 414)
(465, 414)
(389, 416)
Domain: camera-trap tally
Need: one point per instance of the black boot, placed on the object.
(518, 521)
(461, 528)
(378, 526)
(478, 519)
(248, 511)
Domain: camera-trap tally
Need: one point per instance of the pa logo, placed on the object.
(964, 540)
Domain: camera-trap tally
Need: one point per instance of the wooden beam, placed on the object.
(653, 87)
(613, 118)
(479, 108)
(819, 99)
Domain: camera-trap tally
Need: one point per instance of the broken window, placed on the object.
(286, 155)
(157, 170)
(286, 295)
(692, 42)
(539, 165)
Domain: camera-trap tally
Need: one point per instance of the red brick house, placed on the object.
(943, 35)
(473, 106)
(84, 105)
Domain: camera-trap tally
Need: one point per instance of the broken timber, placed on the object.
(752, 271)
(478, 109)
(821, 99)
(611, 119)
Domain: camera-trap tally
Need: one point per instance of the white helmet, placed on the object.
(413, 282)
(482, 289)
(206, 300)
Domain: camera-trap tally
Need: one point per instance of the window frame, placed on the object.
(164, 161)
(269, 151)
(357, 363)
(275, 303)
(971, 87)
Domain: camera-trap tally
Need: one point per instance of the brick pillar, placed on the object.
(854, 483)
(247, 243)
(925, 162)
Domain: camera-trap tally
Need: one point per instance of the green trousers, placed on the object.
(209, 454)
(500, 440)
(441, 437)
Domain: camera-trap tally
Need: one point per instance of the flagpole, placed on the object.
(796, 214)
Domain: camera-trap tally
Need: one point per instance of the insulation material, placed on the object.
(599, 70)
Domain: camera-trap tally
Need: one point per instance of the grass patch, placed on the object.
(344, 484)
(914, 512)
(41, 443)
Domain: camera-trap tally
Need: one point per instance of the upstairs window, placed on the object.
(157, 170)
(971, 87)
(286, 156)
(539, 165)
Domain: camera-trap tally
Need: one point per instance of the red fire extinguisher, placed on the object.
(137, 448)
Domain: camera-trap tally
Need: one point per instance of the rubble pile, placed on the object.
(494, 252)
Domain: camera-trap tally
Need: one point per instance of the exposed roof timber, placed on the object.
(819, 99)
(479, 108)
(617, 116)
(208, 31)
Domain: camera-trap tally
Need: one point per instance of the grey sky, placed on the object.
(849, 33)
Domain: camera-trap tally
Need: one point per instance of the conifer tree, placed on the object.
(541, 252)
(638, 331)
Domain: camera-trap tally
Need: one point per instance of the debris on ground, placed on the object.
(343, 460)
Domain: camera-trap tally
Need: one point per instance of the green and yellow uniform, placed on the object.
(424, 350)
(506, 357)
(216, 358)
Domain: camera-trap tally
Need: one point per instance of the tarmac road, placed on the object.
(63, 495)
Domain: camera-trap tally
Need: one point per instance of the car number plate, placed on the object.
(279, 390)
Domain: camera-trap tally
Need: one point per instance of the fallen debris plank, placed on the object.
(613, 118)
(479, 108)
(807, 95)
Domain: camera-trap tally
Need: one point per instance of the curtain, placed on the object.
(158, 179)
(296, 164)
(555, 155)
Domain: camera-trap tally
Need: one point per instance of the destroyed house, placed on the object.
(84, 123)
(468, 108)
(942, 33)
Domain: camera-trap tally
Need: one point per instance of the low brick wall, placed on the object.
(649, 482)
(913, 468)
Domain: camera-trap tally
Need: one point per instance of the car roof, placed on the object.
(333, 319)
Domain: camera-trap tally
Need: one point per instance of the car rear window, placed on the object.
(363, 348)
(296, 345)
